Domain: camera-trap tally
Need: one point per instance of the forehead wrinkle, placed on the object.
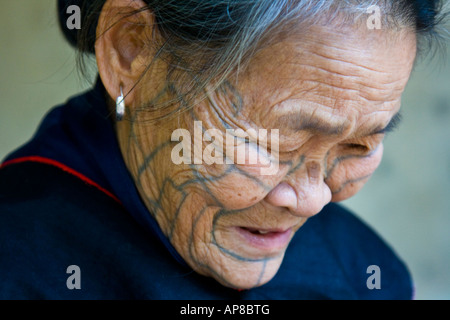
(348, 65)
(342, 45)
(349, 87)
(329, 57)
(341, 100)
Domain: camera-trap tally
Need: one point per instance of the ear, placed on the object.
(122, 47)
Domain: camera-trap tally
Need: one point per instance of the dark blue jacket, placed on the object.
(66, 198)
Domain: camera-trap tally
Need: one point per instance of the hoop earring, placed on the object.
(120, 106)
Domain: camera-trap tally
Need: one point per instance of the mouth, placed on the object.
(268, 241)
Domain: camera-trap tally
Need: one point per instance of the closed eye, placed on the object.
(357, 147)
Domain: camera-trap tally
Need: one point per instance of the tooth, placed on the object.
(263, 232)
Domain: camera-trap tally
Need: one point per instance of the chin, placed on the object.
(250, 274)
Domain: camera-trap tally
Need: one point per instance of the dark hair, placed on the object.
(208, 39)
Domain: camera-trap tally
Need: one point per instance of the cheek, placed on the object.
(239, 185)
(350, 174)
(233, 187)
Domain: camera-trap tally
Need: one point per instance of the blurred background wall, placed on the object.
(407, 201)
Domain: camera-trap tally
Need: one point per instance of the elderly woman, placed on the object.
(135, 189)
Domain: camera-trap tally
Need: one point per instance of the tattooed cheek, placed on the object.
(349, 188)
(352, 176)
(236, 192)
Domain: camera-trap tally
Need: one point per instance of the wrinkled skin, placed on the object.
(330, 95)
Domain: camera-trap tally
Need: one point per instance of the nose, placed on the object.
(303, 193)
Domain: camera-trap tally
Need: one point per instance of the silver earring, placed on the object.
(120, 106)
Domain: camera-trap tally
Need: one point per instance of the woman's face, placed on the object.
(330, 96)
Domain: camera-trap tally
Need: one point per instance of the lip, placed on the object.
(272, 241)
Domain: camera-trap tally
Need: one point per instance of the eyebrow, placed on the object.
(299, 122)
(302, 122)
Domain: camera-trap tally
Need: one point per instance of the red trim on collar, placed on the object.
(62, 167)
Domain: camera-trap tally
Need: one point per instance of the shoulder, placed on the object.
(44, 215)
(51, 220)
(339, 253)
